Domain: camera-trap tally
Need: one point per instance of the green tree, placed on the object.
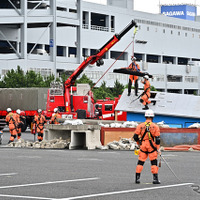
(102, 92)
(17, 79)
(118, 88)
(14, 79)
(85, 79)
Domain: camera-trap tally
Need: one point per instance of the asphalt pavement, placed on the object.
(93, 174)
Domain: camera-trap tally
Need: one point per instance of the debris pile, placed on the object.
(52, 144)
(195, 125)
(127, 124)
(73, 122)
(122, 144)
(162, 124)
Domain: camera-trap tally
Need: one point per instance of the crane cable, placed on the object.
(111, 65)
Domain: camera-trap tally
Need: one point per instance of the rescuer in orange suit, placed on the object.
(133, 67)
(20, 122)
(39, 122)
(146, 94)
(147, 135)
(11, 120)
(55, 116)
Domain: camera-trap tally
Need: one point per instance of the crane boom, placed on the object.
(98, 57)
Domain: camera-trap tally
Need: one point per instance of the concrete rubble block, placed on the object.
(195, 125)
(162, 124)
(28, 144)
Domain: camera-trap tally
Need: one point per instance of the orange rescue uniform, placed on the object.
(11, 119)
(133, 67)
(146, 94)
(147, 132)
(20, 122)
(39, 121)
(54, 118)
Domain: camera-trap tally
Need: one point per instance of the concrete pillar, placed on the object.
(24, 33)
(52, 42)
(79, 30)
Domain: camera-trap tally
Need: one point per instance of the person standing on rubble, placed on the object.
(11, 120)
(133, 67)
(147, 136)
(39, 122)
(55, 117)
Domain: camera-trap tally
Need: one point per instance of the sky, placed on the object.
(152, 6)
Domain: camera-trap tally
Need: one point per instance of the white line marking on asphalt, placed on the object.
(8, 174)
(90, 159)
(29, 156)
(168, 155)
(24, 197)
(124, 191)
(47, 183)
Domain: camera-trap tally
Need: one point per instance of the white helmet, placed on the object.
(39, 111)
(55, 110)
(9, 109)
(149, 113)
(133, 58)
(146, 77)
(18, 111)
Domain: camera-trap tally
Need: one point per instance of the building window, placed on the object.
(153, 58)
(191, 79)
(179, 33)
(61, 51)
(163, 30)
(147, 28)
(138, 56)
(119, 55)
(182, 61)
(158, 77)
(72, 10)
(171, 32)
(99, 22)
(168, 60)
(185, 34)
(72, 52)
(112, 23)
(174, 91)
(173, 78)
(5, 47)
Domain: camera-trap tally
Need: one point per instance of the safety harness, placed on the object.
(134, 67)
(13, 121)
(150, 136)
(38, 124)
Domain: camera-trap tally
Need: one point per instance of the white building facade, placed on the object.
(55, 36)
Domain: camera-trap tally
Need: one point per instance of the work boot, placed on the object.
(137, 178)
(153, 102)
(145, 108)
(129, 93)
(155, 179)
(9, 141)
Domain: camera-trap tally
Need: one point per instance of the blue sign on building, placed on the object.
(180, 11)
(51, 43)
